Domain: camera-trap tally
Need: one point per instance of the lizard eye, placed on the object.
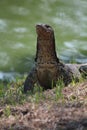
(47, 26)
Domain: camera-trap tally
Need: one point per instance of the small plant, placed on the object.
(58, 90)
(38, 93)
(73, 82)
(7, 111)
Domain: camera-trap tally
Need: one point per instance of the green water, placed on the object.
(18, 35)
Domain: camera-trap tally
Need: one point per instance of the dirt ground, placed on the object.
(67, 113)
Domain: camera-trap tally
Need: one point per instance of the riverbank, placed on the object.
(61, 108)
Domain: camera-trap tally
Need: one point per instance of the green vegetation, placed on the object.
(7, 111)
(12, 94)
(58, 90)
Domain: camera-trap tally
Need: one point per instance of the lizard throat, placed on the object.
(46, 52)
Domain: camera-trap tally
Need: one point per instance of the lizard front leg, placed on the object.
(30, 80)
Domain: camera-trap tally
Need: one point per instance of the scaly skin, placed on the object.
(48, 69)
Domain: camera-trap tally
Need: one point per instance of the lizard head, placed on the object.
(44, 31)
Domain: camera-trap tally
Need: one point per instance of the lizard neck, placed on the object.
(46, 52)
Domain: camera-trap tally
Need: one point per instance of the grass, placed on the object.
(58, 90)
(7, 111)
(12, 93)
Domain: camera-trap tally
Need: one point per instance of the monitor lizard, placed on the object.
(48, 68)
